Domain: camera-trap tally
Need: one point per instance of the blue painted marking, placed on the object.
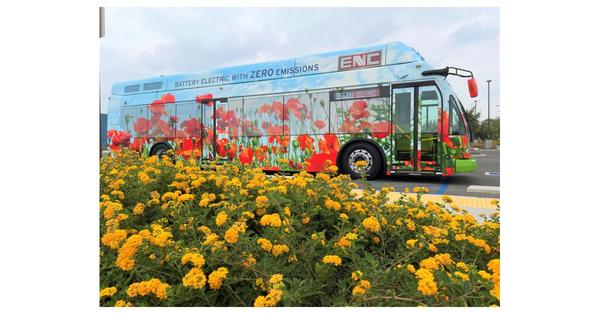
(443, 188)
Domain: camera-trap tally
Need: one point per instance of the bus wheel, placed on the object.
(160, 149)
(361, 151)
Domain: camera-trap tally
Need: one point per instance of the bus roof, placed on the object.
(329, 62)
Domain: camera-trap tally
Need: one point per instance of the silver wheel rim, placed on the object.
(360, 155)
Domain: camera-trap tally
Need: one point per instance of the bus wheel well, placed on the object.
(371, 142)
(160, 146)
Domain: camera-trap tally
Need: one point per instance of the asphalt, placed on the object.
(488, 160)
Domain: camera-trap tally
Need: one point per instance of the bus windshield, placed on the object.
(467, 122)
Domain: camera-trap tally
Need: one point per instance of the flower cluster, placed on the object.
(152, 286)
(332, 259)
(215, 279)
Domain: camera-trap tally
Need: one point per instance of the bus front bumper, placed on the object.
(465, 165)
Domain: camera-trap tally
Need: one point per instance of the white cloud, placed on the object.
(142, 43)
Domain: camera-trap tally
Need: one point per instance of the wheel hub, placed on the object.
(360, 155)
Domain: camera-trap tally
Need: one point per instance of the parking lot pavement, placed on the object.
(484, 182)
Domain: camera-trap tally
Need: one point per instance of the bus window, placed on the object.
(457, 126)
(308, 113)
(403, 116)
(429, 105)
(404, 101)
(361, 116)
(134, 119)
(430, 102)
(264, 116)
(228, 118)
(188, 119)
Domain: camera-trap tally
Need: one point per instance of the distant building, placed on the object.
(103, 139)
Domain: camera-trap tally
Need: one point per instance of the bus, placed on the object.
(381, 104)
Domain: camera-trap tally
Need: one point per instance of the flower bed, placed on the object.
(174, 234)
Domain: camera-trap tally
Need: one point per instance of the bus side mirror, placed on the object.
(473, 91)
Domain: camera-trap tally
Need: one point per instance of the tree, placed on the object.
(490, 129)
(472, 117)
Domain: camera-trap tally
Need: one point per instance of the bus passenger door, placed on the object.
(416, 137)
(403, 143)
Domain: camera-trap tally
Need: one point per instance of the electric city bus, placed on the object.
(381, 104)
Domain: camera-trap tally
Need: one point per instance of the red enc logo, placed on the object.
(368, 59)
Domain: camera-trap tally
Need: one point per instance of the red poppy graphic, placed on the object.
(348, 126)
(279, 111)
(449, 171)
(251, 129)
(320, 124)
(246, 155)
(306, 142)
(444, 120)
(222, 147)
(118, 139)
(298, 109)
(138, 143)
(157, 108)
(187, 144)
(381, 129)
(359, 109)
(260, 153)
(231, 151)
(162, 128)
(364, 125)
(202, 98)
(142, 126)
(191, 127)
(226, 119)
(274, 130)
(329, 147)
(168, 98)
(265, 108)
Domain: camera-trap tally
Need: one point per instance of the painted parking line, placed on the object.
(484, 189)
(478, 155)
(443, 188)
(492, 173)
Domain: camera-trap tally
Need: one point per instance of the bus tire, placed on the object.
(361, 151)
(160, 149)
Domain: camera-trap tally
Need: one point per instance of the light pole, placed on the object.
(488, 119)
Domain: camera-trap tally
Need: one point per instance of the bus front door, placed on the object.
(416, 136)
(207, 125)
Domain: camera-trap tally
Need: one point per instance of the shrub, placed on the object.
(176, 234)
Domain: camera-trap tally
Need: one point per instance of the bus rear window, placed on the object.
(153, 86)
(132, 88)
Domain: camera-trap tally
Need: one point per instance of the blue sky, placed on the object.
(144, 42)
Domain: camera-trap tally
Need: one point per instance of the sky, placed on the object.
(146, 42)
